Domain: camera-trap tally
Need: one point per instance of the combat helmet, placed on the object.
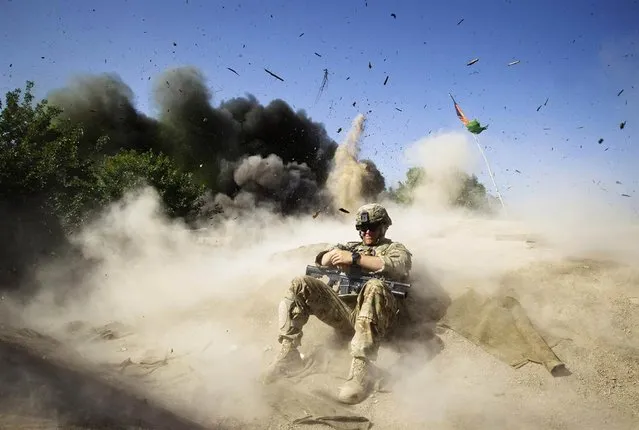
(372, 213)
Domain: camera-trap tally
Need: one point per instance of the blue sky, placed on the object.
(578, 55)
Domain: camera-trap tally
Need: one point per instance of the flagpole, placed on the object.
(490, 173)
(465, 121)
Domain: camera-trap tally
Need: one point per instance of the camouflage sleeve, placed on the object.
(318, 257)
(397, 262)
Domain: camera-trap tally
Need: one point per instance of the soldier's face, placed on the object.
(370, 233)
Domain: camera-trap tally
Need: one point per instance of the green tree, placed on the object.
(127, 170)
(39, 160)
(39, 174)
(472, 194)
(404, 193)
(43, 157)
(53, 177)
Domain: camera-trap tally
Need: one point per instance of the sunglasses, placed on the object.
(368, 227)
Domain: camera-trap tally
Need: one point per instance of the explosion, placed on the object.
(187, 319)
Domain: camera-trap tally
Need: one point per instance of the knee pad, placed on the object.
(284, 313)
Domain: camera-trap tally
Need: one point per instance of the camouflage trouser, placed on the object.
(373, 316)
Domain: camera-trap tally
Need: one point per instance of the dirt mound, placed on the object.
(441, 381)
(45, 385)
(189, 321)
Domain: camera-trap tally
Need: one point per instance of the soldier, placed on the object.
(367, 321)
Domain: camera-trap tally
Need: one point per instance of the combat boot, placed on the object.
(359, 382)
(287, 363)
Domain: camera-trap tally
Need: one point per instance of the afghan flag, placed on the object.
(473, 126)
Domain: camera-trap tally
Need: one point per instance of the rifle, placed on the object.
(350, 284)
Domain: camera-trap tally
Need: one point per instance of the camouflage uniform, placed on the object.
(369, 319)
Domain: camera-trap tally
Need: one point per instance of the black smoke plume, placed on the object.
(276, 155)
(246, 154)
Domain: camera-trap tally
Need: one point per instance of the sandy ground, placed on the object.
(142, 350)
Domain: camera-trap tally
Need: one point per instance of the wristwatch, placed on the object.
(356, 258)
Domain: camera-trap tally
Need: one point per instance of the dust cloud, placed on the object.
(564, 255)
(202, 304)
(441, 156)
(352, 181)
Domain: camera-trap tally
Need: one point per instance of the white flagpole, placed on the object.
(481, 151)
(490, 173)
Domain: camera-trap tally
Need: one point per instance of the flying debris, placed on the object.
(460, 21)
(517, 171)
(386, 80)
(512, 63)
(542, 105)
(339, 130)
(398, 109)
(370, 66)
(324, 83)
(622, 125)
(619, 93)
(244, 169)
(473, 61)
(393, 15)
(625, 195)
(273, 74)
(301, 34)
(317, 54)
(600, 141)
(473, 126)
(344, 210)
(233, 71)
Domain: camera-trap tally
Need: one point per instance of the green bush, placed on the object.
(54, 176)
(472, 194)
(40, 157)
(129, 169)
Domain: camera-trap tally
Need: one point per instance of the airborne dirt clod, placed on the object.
(176, 326)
